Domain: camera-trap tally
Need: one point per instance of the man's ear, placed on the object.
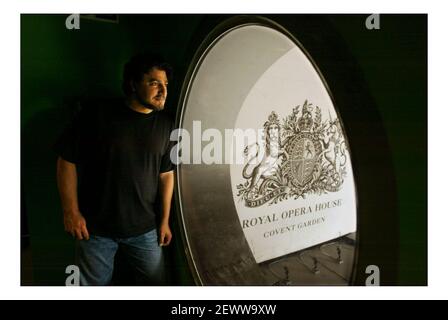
(133, 86)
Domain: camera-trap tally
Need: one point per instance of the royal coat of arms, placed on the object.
(302, 155)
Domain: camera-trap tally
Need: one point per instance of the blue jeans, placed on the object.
(95, 258)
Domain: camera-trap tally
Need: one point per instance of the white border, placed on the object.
(10, 142)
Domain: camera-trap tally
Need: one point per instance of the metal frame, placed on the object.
(207, 44)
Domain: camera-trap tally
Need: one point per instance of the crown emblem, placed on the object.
(305, 122)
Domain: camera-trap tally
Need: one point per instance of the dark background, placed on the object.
(378, 79)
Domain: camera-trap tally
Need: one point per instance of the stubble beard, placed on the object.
(149, 105)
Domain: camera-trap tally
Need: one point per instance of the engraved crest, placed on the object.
(301, 156)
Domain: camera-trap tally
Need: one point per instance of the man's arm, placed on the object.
(67, 179)
(166, 183)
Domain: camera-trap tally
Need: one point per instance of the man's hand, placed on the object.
(75, 224)
(67, 178)
(165, 235)
(166, 186)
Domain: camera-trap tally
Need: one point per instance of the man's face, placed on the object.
(151, 91)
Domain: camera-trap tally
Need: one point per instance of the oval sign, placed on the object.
(265, 186)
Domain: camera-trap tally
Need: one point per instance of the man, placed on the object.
(113, 161)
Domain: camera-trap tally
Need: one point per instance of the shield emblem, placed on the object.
(302, 151)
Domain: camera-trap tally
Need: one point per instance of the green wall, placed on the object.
(394, 62)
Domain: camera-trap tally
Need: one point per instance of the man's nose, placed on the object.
(162, 89)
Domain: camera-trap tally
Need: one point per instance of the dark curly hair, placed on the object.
(141, 64)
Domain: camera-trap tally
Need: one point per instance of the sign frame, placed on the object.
(207, 44)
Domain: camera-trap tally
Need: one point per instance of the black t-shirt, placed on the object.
(119, 154)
